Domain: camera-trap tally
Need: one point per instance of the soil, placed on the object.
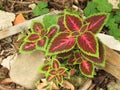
(8, 46)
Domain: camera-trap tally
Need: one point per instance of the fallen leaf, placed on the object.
(6, 81)
(41, 86)
(66, 84)
(19, 19)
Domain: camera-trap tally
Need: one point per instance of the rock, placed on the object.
(24, 69)
(6, 19)
(109, 41)
(114, 3)
(114, 85)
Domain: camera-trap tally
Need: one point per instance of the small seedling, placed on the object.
(40, 9)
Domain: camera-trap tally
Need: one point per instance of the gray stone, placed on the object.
(24, 69)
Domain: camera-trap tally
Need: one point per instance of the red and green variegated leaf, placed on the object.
(65, 55)
(84, 28)
(72, 22)
(61, 70)
(65, 74)
(72, 72)
(78, 57)
(32, 37)
(44, 68)
(55, 64)
(27, 47)
(96, 22)
(50, 78)
(53, 72)
(61, 23)
(42, 44)
(36, 26)
(87, 68)
(43, 33)
(59, 79)
(88, 44)
(52, 31)
(71, 60)
(98, 60)
(62, 42)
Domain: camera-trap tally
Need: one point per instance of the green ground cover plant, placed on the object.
(40, 9)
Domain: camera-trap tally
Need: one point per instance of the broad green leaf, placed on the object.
(88, 44)
(62, 42)
(42, 5)
(87, 69)
(49, 20)
(90, 9)
(40, 9)
(103, 5)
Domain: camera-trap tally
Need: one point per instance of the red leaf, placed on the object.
(53, 72)
(72, 72)
(73, 22)
(78, 57)
(32, 37)
(59, 78)
(71, 60)
(87, 68)
(43, 33)
(65, 74)
(52, 31)
(46, 67)
(49, 78)
(84, 28)
(27, 47)
(98, 60)
(96, 22)
(61, 70)
(88, 43)
(65, 55)
(55, 64)
(62, 42)
(36, 26)
(61, 23)
(42, 43)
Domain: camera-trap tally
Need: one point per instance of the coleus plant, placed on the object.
(70, 43)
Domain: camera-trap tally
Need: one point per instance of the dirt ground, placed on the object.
(7, 45)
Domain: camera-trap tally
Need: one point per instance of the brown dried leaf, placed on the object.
(6, 81)
(66, 84)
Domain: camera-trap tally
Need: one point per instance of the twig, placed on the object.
(24, 12)
(23, 2)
